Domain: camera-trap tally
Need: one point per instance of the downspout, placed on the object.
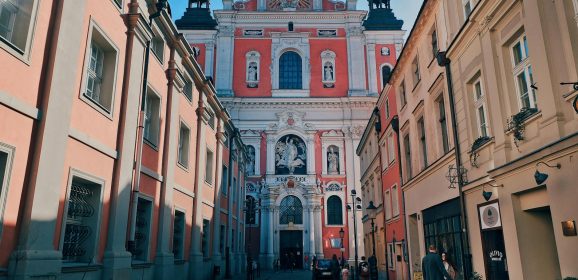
(395, 126)
(443, 60)
(229, 206)
(140, 137)
(378, 130)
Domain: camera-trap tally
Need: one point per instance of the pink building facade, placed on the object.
(115, 160)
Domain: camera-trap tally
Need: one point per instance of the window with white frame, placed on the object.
(391, 147)
(443, 124)
(234, 189)
(152, 120)
(143, 230)
(407, 148)
(225, 180)
(82, 221)
(387, 204)
(384, 154)
(468, 7)
(16, 23)
(415, 71)
(209, 166)
(422, 141)
(522, 72)
(402, 96)
(184, 143)
(211, 119)
(188, 90)
(480, 105)
(179, 235)
(395, 201)
(390, 256)
(334, 210)
(6, 153)
(158, 46)
(101, 64)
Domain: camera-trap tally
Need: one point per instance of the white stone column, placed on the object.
(371, 69)
(270, 154)
(319, 236)
(270, 254)
(263, 230)
(225, 51)
(356, 69)
(310, 152)
(209, 59)
(312, 230)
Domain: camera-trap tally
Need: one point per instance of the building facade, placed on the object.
(300, 80)
(111, 152)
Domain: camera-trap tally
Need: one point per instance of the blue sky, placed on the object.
(404, 9)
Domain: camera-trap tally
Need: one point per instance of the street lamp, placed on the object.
(250, 209)
(371, 213)
(354, 207)
(342, 234)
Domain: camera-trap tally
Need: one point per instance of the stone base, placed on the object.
(34, 264)
(382, 19)
(197, 265)
(218, 262)
(196, 19)
(164, 266)
(117, 265)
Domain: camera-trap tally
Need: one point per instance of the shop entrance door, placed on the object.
(291, 249)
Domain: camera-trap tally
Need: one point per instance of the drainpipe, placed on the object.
(160, 5)
(378, 131)
(395, 126)
(232, 139)
(443, 60)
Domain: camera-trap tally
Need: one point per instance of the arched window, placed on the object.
(385, 74)
(291, 211)
(251, 207)
(334, 211)
(290, 76)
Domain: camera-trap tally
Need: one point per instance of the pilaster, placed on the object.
(356, 69)
(225, 52)
(371, 69)
(220, 135)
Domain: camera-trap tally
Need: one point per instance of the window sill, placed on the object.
(24, 57)
(150, 144)
(79, 267)
(290, 93)
(334, 226)
(183, 167)
(141, 264)
(96, 106)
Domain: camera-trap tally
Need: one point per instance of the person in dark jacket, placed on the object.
(432, 266)
(335, 271)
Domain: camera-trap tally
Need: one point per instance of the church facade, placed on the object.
(300, 79)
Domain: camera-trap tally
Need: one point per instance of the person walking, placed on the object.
(363, 269)
(449, 266)
(432, 266)
(335, 268)
(345, 273)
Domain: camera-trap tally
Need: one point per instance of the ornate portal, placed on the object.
(290, 156)
(289, 5)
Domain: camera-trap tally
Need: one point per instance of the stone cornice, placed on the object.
(250, 17)
(348, 102)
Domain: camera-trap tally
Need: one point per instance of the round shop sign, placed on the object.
(490, 215)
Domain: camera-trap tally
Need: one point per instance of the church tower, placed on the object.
(300, 79)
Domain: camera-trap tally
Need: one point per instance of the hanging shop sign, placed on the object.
(490, 216)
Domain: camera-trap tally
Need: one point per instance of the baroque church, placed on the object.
(300, 79)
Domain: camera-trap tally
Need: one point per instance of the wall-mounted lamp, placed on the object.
(542, 177)
(488, 195)
(569, 228)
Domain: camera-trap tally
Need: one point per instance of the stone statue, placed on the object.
(199, 3)
(287, 155)
(332, 161)
(250, 167)
(252, 72)
(328, 76)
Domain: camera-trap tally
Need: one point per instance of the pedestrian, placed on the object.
(449, 266)
(432, 266)
(363, 269)
(335, 268)
(345, 273)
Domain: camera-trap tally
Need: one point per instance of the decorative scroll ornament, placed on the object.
(333, 188)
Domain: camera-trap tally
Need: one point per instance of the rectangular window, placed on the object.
(423, 142)
(188, 90)
(387, 108)
(184, 142)
(391, 148)
(468, 7)
(5, 164)
(395, 201)
(406, 145)
(480, 105)
(434, 43)
(179, 235)
(384, 153)
(522, 72)
(225, 180)
(234, 189)
(152, 120)
(443, 125)
(143, 230)
(390, 256)
(222, 235)
(387, 205)
(158, 47)
(100, 72)
(402, 96)
(82, 221)
(206, 234)
(416, 73)
(209, 167)
(16, 23)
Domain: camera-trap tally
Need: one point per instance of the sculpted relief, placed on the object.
(290, 156)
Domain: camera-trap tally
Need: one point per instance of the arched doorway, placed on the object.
(291, 238)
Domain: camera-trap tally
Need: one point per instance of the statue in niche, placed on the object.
(290, 156)
(252, 72)
(250, 167)
(333, 160)
(328, 72)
